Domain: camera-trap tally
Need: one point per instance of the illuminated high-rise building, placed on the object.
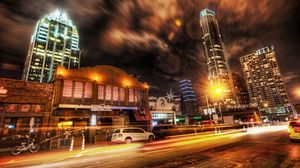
(264, 82)
(55, 41)
(189, 102)
(218, 67)
(240, 90)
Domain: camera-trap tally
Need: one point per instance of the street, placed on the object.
(258, 147)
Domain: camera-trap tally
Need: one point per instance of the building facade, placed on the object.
(25, 107)
(99, 96)
(240, 89)
(189, 102)
(218, 67)
(55, 41)
(264, 82)
(162, 111)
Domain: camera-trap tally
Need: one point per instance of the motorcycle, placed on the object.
(31, 146)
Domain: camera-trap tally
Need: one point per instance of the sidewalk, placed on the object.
(76, 146)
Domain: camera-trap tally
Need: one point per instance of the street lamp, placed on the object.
(219, 92)
(208, 109)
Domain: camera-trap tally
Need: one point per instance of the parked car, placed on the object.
(131, 134)
(294, 130)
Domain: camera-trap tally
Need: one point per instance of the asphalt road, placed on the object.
(259, 147)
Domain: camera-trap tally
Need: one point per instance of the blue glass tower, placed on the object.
(189, 102)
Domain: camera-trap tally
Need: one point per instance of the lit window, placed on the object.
(100, 92)
(108, 93)
(131, 98)
(122, 94)
(88, 90)
(115, 94)
(78, 90)
(67, 89)
(137, 96)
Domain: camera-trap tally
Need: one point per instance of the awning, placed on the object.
(142, 116)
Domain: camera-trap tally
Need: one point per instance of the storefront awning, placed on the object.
(142, 117)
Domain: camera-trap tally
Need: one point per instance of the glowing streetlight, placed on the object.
(178, 22)
(297, 92)
(218, 91)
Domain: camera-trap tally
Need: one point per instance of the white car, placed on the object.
(131, 134)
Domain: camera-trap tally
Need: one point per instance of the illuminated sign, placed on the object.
(101, 107)
(3, 91)
(208, 111)
(65, 124)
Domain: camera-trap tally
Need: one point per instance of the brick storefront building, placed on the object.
(24, 106)
(99, 96)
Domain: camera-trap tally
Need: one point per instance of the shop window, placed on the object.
(78, 90)
(67, 90)
(11, 107)
(142, 98)
(24, 108)
(23, 122)
(122, 94)
(100, 92)
(131, 96)
(37, 108)
(10, 122)
(88, 90)
(136, 95)
(108, 93)
(2, 107)
(115, 94)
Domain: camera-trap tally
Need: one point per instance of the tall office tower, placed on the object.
(240, 90)
(264, 82)
(55, 41)
(218, 67)
(189, 102)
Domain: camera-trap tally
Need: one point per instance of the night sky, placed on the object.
(159, 40)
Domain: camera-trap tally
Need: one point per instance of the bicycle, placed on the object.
(33, 148)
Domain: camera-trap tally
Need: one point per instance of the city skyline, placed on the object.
(149, 83)
(167, 50)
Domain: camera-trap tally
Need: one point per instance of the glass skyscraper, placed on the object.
(218, 67)
(189, 102)
(55, 41)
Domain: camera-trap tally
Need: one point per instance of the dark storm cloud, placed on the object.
(159, 40)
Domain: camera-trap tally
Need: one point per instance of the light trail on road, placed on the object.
(130, 151)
